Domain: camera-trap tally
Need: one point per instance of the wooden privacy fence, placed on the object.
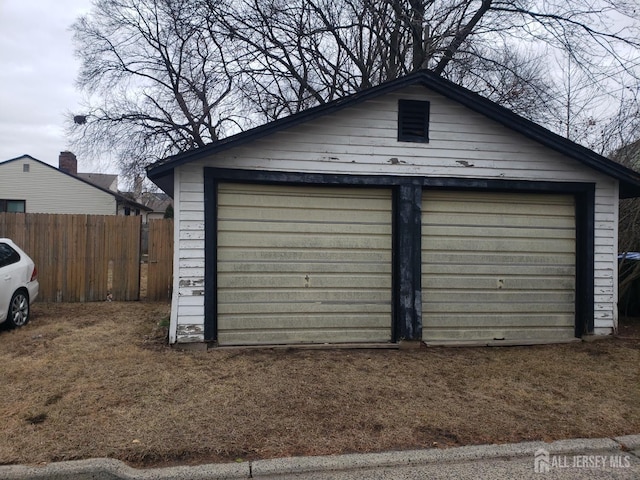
(160, 259)
(82, 258)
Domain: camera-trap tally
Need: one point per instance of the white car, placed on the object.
(18, 284)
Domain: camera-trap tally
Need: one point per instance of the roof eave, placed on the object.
(164, 181)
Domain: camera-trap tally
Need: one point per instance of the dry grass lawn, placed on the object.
(97, 380)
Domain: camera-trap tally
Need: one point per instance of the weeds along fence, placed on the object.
(80, 258)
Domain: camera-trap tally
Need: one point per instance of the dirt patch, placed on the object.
(144, 269)
(97, 380)
(629, 327)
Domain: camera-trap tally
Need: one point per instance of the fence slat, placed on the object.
(160, 266)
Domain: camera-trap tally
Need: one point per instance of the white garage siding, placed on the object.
(606, 258)
(303, 265)
(363, 140)
(187, 305)
(497, 267)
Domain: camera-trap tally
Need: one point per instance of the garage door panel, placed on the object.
(497, 265)
(495, 258)
(303, 264)
(551, 271)
(311, 320)
(501, 321)
(526, 283)
(506, 245)
(500, 299)
(323, 295)
(464, 231)
(497, 336)
(346, 228)
(509, 211)
(303, 335)
(470, 311)
(319, 267)
(493, 220)
(322, 203)
(247, 255)
(302, 240)
(294, 310)
(288, 281)
(505, 204)
(297, 215)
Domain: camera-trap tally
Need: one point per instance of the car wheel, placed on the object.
(18, 310)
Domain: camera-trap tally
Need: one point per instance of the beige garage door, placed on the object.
(303, 265)
(497, 267)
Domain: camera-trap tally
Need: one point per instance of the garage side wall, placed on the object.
(362, 140)
(606, 258)
(187, 313)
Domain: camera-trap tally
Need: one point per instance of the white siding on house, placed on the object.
(47, 190)
(363, 140)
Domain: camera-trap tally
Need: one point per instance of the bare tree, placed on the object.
(304, 52)
(156, 80)
(164, 76)
(581, 107)
(518, 80)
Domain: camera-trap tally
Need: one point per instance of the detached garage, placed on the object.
(415, 210)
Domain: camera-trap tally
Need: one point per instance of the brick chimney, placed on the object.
(67, 162)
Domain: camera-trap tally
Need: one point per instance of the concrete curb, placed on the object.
(281, 466)
(110, 469)
(629, 442)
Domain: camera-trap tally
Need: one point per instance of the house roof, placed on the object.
(154, 201)
(161, 172)
(158, 201)
(119, 197)
(103, 180)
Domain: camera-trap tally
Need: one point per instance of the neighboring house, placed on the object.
(156, 203)
(32, 186)
(414, 210)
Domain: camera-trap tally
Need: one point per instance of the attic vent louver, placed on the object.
(413, 121)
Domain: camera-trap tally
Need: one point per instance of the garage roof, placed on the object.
(161, 172)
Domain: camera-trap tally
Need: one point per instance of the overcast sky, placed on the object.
(37, 78)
